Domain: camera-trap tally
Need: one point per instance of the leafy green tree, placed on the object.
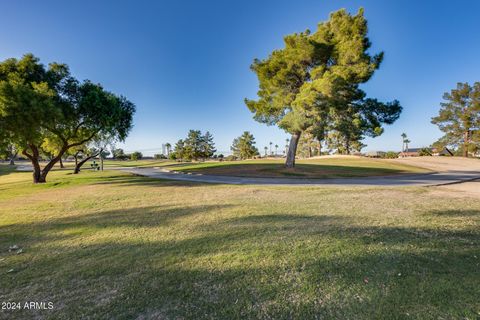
(8, 151)
(136, 156)
(51, 146)
(38, 102)
(118, 153)
(459, 118)
(243, 147)
(8, 148)
(314, 77)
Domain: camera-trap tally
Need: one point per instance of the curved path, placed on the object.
(428, 179)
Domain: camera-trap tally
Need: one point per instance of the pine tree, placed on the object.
(179, 150)
(243, 147)
(207, 145)
(459, 118)
(314, 79)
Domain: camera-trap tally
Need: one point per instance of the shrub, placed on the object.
(136, 155)
(424, 152)
(230, 158)
(159, 156)
(391, 155)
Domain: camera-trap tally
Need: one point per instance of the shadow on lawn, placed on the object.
(278, 170)
(138, 180)
(456, 213)
(252, 266)
(6, 169)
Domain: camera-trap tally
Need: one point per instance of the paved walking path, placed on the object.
(430, 179)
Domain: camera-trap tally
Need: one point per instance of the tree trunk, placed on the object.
(81, 163)
(465, 144)
(61, 163)
(52, 163)
(12, 159)
(101, 161)
(37, 173)
(292, 150)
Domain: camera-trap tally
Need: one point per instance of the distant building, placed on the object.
(417, 152)
(411, 152)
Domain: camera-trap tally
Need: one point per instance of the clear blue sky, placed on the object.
(185, 64)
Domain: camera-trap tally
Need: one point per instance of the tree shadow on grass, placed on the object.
(455, 213)
(253, 266)
(139, 217)
(301, 170)
(138, 180)
(6, 169)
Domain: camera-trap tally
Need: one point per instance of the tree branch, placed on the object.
(83, 141)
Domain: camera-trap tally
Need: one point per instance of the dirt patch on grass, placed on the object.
(442, 164)
(465, 189)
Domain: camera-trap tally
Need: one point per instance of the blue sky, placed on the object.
(185, 64)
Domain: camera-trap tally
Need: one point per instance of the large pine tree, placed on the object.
(315, 78)
(459, 118)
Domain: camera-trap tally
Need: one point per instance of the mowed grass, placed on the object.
(328, 167)
(138, 163)
(109, 245)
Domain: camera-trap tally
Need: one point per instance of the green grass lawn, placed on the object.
(113, 245)
(138, 163)
(342, 167)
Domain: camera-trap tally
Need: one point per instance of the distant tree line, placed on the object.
(194, 147)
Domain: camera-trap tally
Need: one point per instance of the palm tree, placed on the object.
(276, 147)
(271, 147)
(404, 137)
(266, 148)
(406, 144)
(168, 146)
(286, 145)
